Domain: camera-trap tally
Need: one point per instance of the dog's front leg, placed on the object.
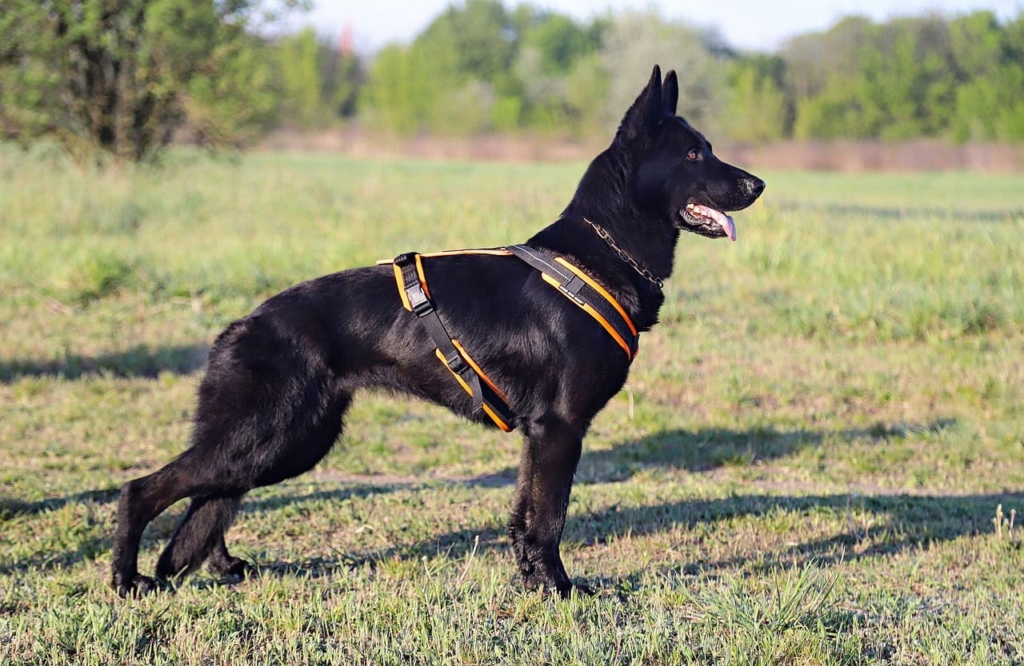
(550, 455)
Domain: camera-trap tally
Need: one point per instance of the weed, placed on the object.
(95, 276)
(1002, 522)
(794, 599)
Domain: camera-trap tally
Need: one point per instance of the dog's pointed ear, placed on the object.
(647, 110)
(670, 93)
(653, 87)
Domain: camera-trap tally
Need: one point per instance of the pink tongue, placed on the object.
(723, 220)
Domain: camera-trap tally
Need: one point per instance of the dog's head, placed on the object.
(677, 176)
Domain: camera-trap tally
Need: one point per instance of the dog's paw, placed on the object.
(232, 567)
(573, 589)
(581, 589)
(135, 586)
(564, 588)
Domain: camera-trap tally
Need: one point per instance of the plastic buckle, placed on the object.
(418, 300)
(455, 362)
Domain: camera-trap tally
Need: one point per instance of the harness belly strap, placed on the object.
(412, 288)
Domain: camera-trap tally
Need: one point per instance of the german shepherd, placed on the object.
(278, 382)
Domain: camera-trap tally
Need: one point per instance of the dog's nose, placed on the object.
(755, 186)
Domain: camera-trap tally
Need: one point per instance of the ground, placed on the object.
(818, 458)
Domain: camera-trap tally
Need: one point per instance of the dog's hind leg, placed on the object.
(269, 409)
(550, 455)
(199, 535)
(216, 472)
(221, 562)
(141, 501)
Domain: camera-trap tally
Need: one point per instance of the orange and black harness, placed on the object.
(573, 283)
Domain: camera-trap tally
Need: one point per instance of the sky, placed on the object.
(745, 24)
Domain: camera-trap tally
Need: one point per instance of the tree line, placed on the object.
(128, 76)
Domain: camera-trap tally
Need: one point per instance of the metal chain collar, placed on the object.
(644, 273)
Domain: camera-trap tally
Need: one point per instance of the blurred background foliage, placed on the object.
(125, 78)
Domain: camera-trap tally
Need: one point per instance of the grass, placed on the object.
(817, 459)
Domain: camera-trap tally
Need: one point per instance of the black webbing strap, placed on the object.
(575, 287)
(484, 397)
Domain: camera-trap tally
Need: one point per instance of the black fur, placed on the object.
(278, 381)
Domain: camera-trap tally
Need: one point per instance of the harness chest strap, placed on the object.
(571, 282)
(581, 289)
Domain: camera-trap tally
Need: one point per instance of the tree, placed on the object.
(481, 67)
(637, 40)
(341, 77)
(301, 104)
(909, 78)
(822, 77)
(318, 80)
(990, 102)
(560, 41)
(454, 79)
(475, 41)
(553, 65)
(758, 109)
(395, 98)
(121, 77)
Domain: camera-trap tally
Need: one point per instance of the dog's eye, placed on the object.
(693, 155)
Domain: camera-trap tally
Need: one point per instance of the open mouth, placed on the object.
(707, 221)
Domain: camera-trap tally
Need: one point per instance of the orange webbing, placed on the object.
(480, 373)
(601, 290)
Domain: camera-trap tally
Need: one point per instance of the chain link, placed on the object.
(624, 256)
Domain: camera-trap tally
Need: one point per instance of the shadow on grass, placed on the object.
(277, 502)
(11, 508)
(319, 567)
(908, 523)
(912, 522)
(709, 448)
(901, 523)
(139, 361)
(86, 549)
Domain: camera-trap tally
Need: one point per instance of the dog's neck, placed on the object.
(605, 197)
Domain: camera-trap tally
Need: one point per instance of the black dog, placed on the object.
(278, 382)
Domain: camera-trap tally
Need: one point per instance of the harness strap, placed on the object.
(582, 290)
(416, 298)
(573, 283)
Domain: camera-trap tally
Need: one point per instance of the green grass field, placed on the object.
(819, 457)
